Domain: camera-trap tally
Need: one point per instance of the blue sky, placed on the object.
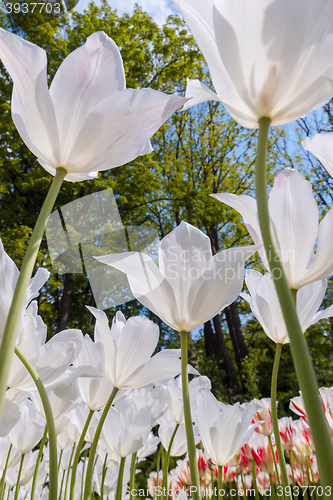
(159, 9)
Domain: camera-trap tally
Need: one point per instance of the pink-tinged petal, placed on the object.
(294, 214)
(321, 145)
(197, 93)
(86, 77)
(32, 107)
(322, 264)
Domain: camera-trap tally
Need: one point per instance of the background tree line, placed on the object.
(196, 153)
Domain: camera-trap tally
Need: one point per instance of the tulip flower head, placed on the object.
(263, 482)
(10, 416)
(8, 277)
(266, 58)
(127, 348)
(295, 225)
(87, 121)
(126, 429)
(191, 285)
(321, 146)
(287, 432)
(166, 430)
(266, 308)
(263, 416)
(262, 453)
(224, 429)
(29, 429)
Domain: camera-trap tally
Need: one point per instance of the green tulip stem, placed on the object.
(254, 480)
(59, 460)
(273, 492)
(18, 480)
(158, 467)
(282, 462)
(103, 475)
(14, 316)
(291, 466)
(53, 466)
(93, 448)
(166, 464)
(62, 484)
(77, 454)
(278, 482)
(132, 474)
(69, 471)
(120, 479)
(308, 463)
(219, 483)
(3, 477)
(299, 348)
(38, 461)
(192, 456)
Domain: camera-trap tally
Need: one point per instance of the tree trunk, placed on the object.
(222, 347)
(231, 313)
(216, 346)
(65, 301)
(236, 332)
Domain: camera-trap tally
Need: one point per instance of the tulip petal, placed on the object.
(294, 211)
(86, 77)
(157, 370)
(322, 263)
(36, 283)
(197, 92)
(104, 337)
(136, 344)
(147, 284)
(265, 305)
(201, 19)
(32, 107)
(225, 279)
(247, 207)
(326, 313)
(308, 301)
(10, 416)
(184, 254)
(283, 70)
(321, 145)
(8, 277)
(117, 130)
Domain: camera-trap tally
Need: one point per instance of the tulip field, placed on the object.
(108, 406)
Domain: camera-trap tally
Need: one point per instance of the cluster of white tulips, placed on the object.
(89, 405)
